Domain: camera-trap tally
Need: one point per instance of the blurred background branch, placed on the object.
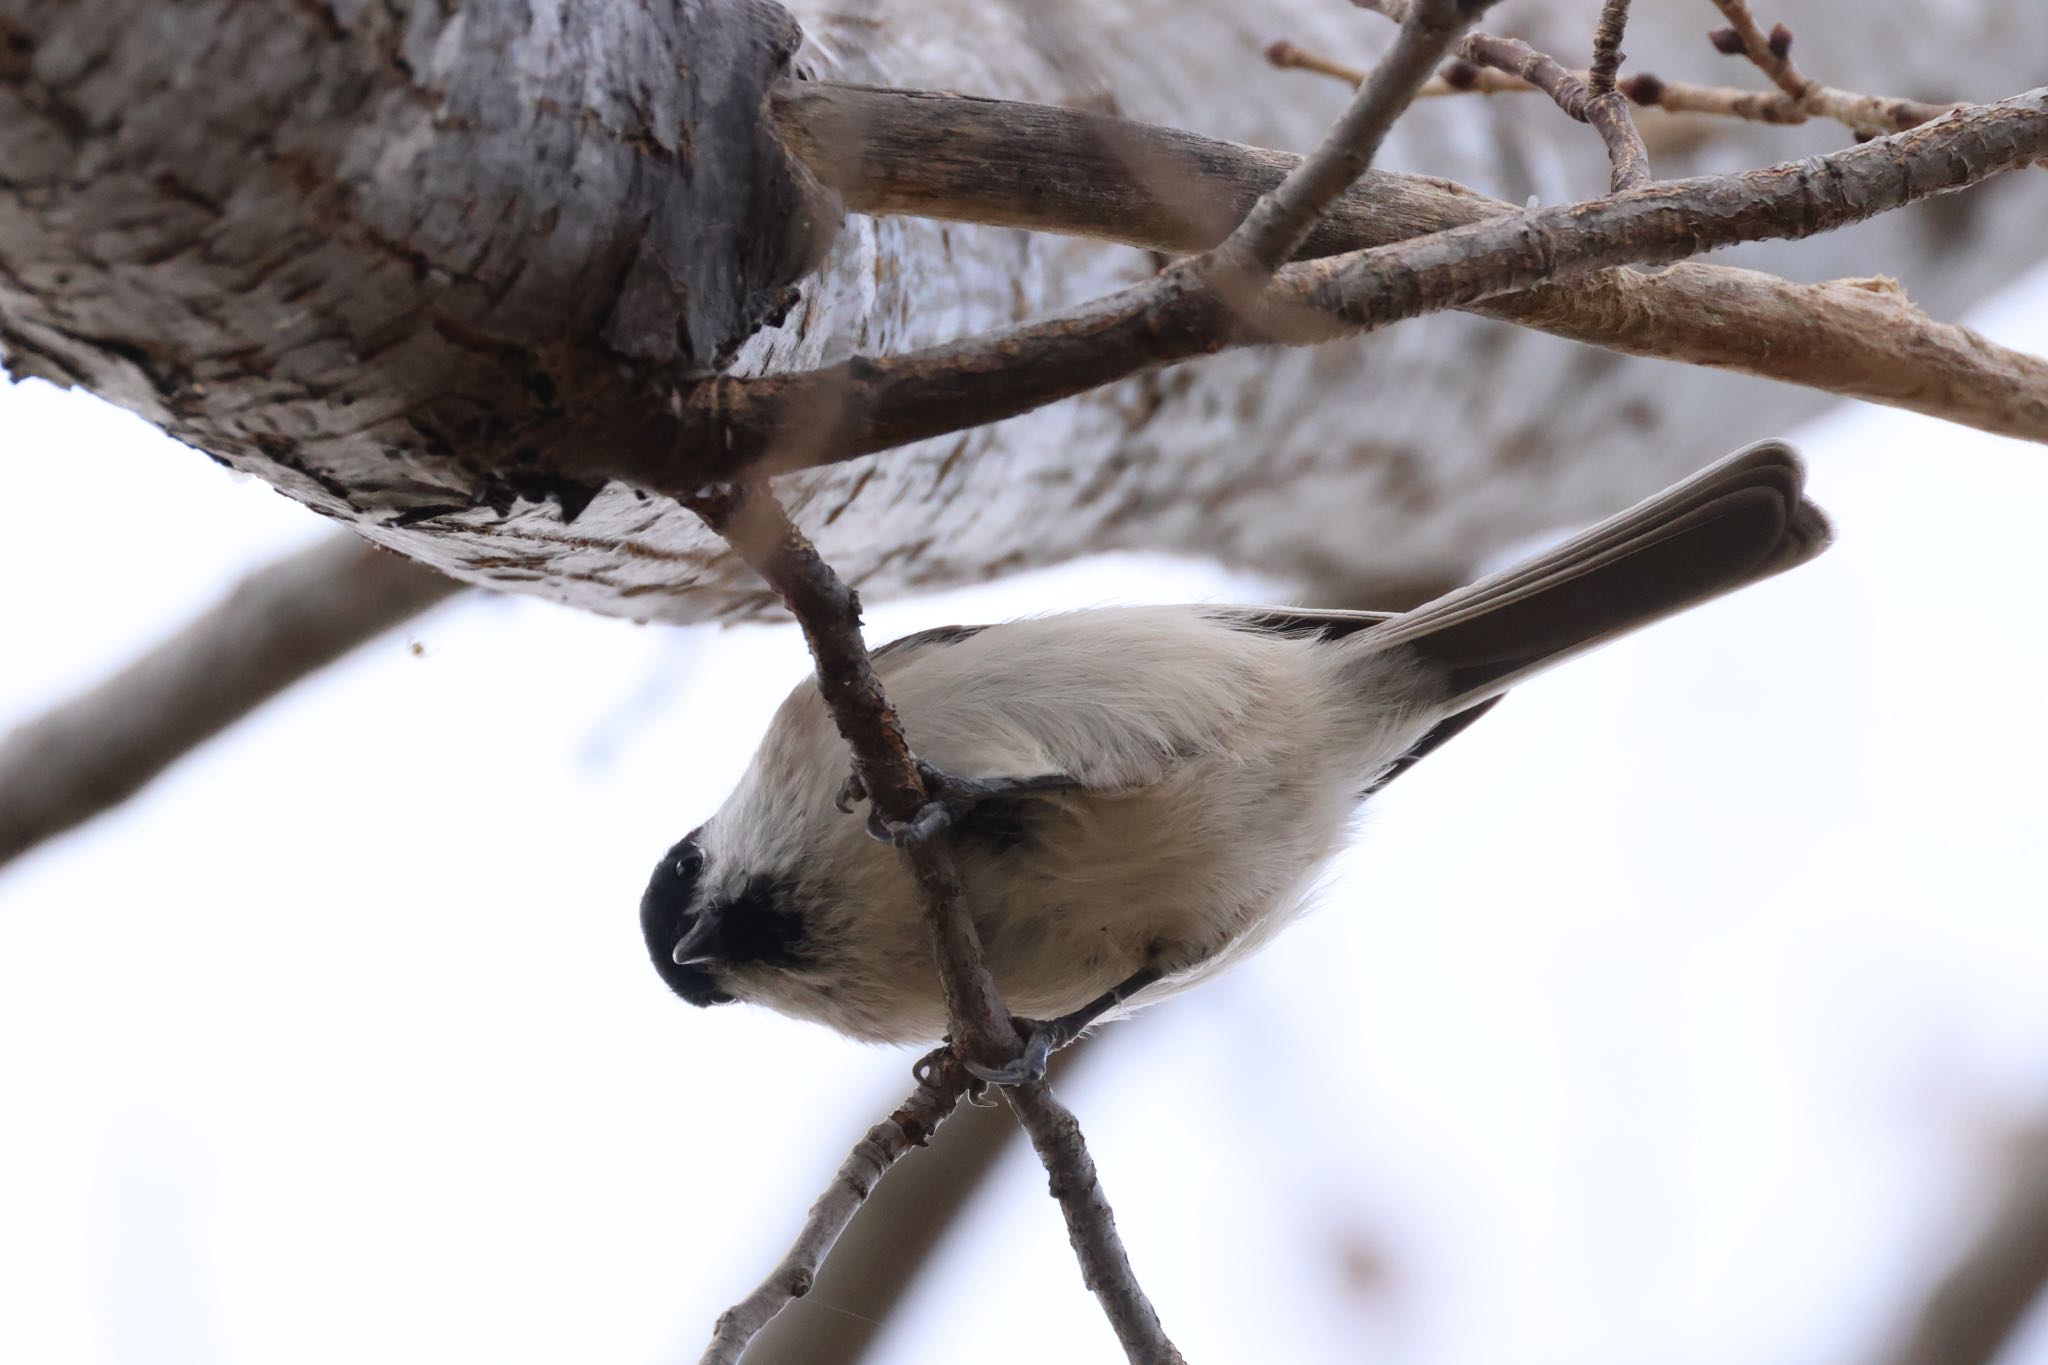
(283, 622)
(1974, 1309)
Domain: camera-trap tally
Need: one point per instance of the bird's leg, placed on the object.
(1043, 1037)
(948, 799)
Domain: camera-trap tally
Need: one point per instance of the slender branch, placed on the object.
(1462, 77)
(1864, 115)
(870, 404)
(1457, 76)
(760, 532)
(279, 624)
(1608, 114)
(1607, 53)
(1607, 110)
(1725, 101)
(1591, 101)
(942, 1081)
(1278, 224)
(1975, 1308)
(1091, 1226)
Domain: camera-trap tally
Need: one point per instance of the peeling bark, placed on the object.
(384, 257)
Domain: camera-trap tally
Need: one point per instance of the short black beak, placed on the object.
(694, 948)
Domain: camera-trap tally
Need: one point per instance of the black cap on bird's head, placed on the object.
(666, 921)
(754, 924)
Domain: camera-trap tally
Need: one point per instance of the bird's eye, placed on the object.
(688, 863)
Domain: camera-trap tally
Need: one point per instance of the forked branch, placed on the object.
(733, 426)
(754, 524)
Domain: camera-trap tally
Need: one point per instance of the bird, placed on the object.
(1140, 796)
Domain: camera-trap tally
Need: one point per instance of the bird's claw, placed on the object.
(850, 791)
(948, 799)
(1028, 1066)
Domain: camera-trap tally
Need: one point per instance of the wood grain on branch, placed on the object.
(409, 262)
(280, 624)
(871, 404)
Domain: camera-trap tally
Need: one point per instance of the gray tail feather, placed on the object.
(1734, 523)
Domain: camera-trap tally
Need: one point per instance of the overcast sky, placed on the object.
(1683, 1011)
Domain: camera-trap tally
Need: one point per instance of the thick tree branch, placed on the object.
(1857, 338)
(942, 1081)
(871, 404)
(281, 623)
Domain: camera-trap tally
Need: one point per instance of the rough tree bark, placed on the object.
(386, 256)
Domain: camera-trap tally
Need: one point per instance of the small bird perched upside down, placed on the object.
(1139, 796)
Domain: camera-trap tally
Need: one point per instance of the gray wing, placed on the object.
(919, 639)
(1332, 624)
(1327, 623)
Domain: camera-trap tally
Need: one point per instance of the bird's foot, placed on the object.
(948, 800)
(1042, 1038)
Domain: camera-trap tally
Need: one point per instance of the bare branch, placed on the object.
(1972, 1312)
(1864, 115)
(870, 404)
(1091, 1227)
(1075, 164)
(1277, 225)
(1608, 114)
(278, 625)
(1461, 77)
(1608, 110)
(942, 1081)
(1592, 100)
(1457, 77)
(760, 532)
(754, 524)
(1607, 54)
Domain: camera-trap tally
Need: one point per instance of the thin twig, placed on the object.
(1590, 101)
(726, 424)
(1607, 54)
(760, 532)
(1724, 101)
(1456, 77)
(279, 624)
(1608, 111)
(1608, 115)
(1277, 225)
(1864, 115)
(942, 1081)
(1462, 77)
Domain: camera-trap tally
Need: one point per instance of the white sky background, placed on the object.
(1680, 1012)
